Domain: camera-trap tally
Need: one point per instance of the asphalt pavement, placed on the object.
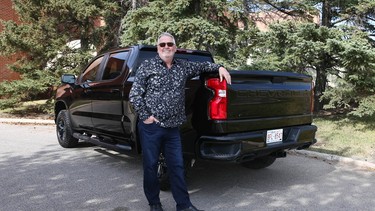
(38, 174)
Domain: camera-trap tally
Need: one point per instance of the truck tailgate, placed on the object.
(259, 100)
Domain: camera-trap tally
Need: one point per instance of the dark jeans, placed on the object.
(154, 139)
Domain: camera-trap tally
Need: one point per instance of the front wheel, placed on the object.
(259, 163)
(64, 130)
(163, 174)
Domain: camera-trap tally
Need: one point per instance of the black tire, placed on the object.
(259, 163)
(163, 174)
(64, 130)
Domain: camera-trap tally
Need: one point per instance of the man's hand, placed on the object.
(224, 73)
(150, 120)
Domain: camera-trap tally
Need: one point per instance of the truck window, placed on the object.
(114, 65)
(89, 74)
(143, 55)
(193, 58)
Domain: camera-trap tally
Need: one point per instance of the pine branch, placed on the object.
(339, 21)
(278, 8)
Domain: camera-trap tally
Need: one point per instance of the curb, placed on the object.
(27, 121)
(335, 158)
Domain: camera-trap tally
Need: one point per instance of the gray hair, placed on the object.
(166, 34)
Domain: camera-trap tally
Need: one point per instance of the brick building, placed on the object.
(7, 13)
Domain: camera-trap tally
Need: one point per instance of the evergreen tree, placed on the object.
(41, 42)
(344, 57)
(347, 24)
(196, 24)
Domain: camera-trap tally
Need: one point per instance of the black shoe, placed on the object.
(156, 207)
(191, 208)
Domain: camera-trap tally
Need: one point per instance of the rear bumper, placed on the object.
(247, 146)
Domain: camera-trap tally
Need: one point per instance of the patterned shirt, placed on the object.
(160, 92)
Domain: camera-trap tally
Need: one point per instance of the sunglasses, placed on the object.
(169, 44)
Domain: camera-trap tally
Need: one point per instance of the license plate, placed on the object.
(274, 136)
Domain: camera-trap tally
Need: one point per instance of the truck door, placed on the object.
(107, 95)
(81, 109)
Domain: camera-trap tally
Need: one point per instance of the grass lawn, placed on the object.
(339, 135)
(32, 109)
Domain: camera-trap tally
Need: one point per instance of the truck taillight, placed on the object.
(217, 106)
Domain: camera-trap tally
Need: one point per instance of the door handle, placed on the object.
(115, 91)
(87, 91)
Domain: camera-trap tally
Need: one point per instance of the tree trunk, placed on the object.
(321, 71)
(320, 86)
(321, 80)
(326, 14)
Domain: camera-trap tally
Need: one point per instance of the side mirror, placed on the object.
(68, 79)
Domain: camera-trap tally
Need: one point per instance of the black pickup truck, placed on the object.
(253, 121)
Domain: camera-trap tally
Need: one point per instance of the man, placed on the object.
(158, 96)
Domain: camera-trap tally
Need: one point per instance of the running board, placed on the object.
(96, 141)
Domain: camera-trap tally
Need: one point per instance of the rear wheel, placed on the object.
(64, 130)
(259, 163)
